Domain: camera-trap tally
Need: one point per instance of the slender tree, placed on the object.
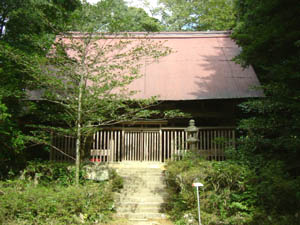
(86, 75)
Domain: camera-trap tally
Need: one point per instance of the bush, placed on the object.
(53, 200)
(278, 195)
(46, 172)
(232, 193)
(25, 203)
(117, 181)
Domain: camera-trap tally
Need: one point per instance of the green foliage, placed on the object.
(25, 203)
(268, 33)
(30, 23)
(197, 15)
(44, 194)
(224, 199)
(12, 142)
(113, 16)
(117, 181)
(138, 20)
(50, 172)
(232, 194)
(90, 86)
(269, 144)
(27, 29)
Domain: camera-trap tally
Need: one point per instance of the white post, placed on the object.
(197, 185)
(198, 200)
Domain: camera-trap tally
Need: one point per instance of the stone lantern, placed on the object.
(192, 139)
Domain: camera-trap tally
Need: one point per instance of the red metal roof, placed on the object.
(200, 67)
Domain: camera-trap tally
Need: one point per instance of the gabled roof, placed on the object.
(201, 67)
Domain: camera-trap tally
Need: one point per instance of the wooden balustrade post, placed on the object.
(112, 148)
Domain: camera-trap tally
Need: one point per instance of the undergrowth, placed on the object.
(53, 199)
(233, 194)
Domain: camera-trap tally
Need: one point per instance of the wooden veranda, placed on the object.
(148, 144)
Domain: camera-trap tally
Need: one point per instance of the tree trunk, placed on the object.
(78, 135)
(78, 144)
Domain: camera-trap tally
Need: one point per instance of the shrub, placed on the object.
(53, 200)
(46, 172)
(116, 181)
(220, 197)
(22, 202)
(232, 193)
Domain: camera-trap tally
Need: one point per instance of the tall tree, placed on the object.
(28, 28)
(197, 15)
(114, 16)
(86, 76)
(269, 34)
(27, 24)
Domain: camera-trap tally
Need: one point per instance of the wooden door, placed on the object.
(142, 145)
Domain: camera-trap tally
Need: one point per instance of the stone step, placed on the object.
(139, 209)
(146, 190)
(144, 222)
(146, 170)
(137, 164)
(142, 169)
(140, 174)
(141, 216)
(133, 175)
(152, 188)
(143, 180)
(154, 185)
(143, 205)
(143, 195)
(140, 204)
(142, 199)
(143, 172)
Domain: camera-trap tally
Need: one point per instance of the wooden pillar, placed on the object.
(112, 150)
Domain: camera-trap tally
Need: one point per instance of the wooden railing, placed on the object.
(174, 143)
(107, 146)
(129, 144)
(63, 149)
(214, 140)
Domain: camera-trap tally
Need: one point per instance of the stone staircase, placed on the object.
(143, 195)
